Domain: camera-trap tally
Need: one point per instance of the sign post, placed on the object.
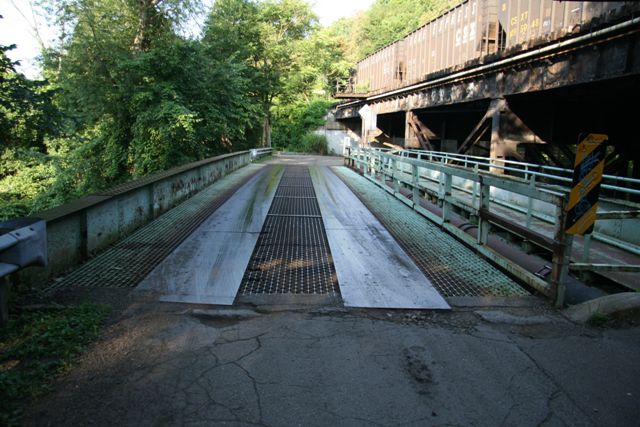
(587, 176)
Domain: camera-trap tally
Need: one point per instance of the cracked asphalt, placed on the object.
(521, 364)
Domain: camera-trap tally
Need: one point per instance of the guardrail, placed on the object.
(78, 230)
(257, 153)
(470, 189)
(540, 174)
(554, 178)
(22, 243)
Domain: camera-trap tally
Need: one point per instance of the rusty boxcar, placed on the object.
(474, 29)
(527, 21)
(383, 69)
(463, 33)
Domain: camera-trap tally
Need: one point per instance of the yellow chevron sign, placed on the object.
(587, 176)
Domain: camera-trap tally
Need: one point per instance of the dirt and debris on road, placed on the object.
(177, 364)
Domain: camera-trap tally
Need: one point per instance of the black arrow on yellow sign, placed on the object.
(587, 176)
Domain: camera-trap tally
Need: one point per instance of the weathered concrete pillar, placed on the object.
(498, 145)
(410, 137)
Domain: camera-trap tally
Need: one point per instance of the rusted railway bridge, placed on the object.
(508, 79)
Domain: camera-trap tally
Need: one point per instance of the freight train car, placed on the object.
(382, 70)
(528, 21)
(474, 29)
(466, 32)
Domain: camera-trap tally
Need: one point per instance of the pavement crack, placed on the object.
(556, 393)
(484, 338)
(258, 348)
(551, 379)
(255, 390)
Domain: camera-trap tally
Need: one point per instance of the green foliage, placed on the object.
(293, 121)
(37, 346)
(26, 110)
(314, 143)
(127, 94)
(25, 173)
(385, 22)
(27, 116)
(266, 37)
(163, 136)
(598, 319)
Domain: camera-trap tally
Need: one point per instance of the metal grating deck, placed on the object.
(292, 254)
(129, 261)
(454, 269)
(295, 206)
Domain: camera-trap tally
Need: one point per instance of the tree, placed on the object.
(27, 113)
(128, 94)
(263, 36)
(153, 98)
(27, 118)
(384, 22)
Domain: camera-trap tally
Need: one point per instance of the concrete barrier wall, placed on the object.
(82, 228)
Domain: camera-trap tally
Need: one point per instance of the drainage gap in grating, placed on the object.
(292, 254)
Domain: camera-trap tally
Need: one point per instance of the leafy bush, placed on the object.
(314, 143)
(37, 346)
(292, 122)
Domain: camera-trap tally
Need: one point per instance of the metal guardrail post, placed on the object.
(586, 247)
(4, 300)
(561, 255)
(372, 164)
(395, 178)
(530, 202)
(483, 223)
(474, 188)
(446, 198)
(366, 162)
(441, 185)
(23, 242)
(388, 169)
(415, 180)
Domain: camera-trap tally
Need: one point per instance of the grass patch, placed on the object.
(621, 319)
(598, 319)
(37, 346)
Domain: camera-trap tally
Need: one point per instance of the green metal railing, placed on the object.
(430, 174)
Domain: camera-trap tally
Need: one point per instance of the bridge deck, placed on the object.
(291, 253)
(295, 226)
